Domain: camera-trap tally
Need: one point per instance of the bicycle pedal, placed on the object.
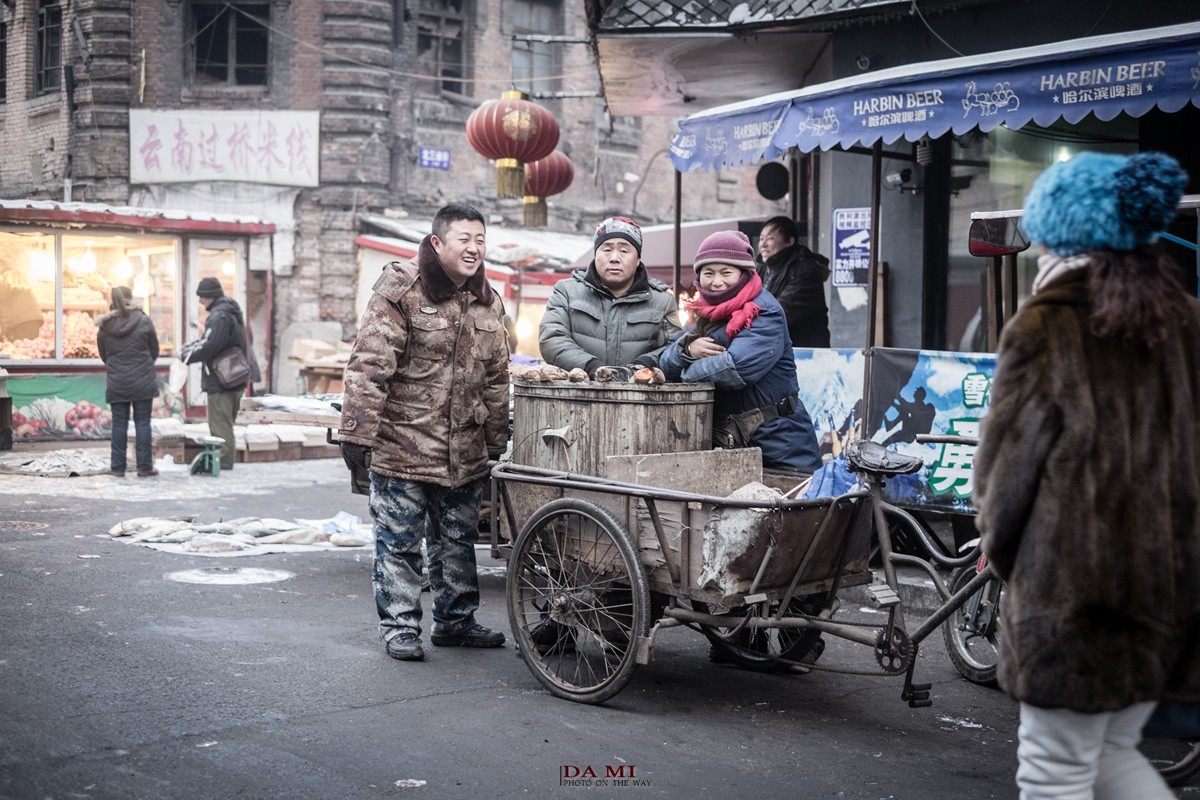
(917, 695)
(883, 595)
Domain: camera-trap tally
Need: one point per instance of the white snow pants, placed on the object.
(1066, 755)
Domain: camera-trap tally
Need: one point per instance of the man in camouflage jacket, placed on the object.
(426, 405)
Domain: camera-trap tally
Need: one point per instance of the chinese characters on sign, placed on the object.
(275, 147)
(434, 158)
(953, 471)
(851, 246)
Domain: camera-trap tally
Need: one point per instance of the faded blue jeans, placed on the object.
(142, 448)
(400, 510)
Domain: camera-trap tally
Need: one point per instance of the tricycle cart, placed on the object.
(603, 564)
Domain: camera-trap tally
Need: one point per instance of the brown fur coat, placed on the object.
(1088, 487)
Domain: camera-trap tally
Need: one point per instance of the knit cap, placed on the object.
(618, 228)
(209, 287)
(725, 247)
(1096, 201)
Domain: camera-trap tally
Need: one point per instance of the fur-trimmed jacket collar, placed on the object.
(437, 283)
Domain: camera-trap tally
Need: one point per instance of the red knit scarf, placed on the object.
(739, 311)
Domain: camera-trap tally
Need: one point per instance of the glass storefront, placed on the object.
(994, 172)
(54, 285)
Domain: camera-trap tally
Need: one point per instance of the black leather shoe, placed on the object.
(814, 652)
(549, 635)
(475, 636)
(405, 647)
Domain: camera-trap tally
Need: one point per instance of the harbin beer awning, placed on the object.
(1103, 75)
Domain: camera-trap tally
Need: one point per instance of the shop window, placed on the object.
(33, 288)
(442, 45)
(616, 132)
(534, 62)
(230, 43)
(48, 53)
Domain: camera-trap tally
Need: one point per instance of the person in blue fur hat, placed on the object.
(1087, 480)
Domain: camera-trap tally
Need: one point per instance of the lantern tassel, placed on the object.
(535, 212)
(510, 178)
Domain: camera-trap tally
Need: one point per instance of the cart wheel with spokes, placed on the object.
(578, 600)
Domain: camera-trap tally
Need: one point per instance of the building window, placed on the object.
(442, 45)
(230, 43)
(534, 62)
(48, 56)
(3, 61)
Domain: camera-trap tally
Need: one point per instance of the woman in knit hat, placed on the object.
(1087, 480)
(740, 343)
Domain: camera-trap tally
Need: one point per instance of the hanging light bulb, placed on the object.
(124, 270)
(226, 267)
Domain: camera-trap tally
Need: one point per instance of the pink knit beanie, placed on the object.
(725, 247)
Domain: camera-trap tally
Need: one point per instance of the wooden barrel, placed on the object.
(574, 427)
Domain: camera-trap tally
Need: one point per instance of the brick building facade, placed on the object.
(387, 77)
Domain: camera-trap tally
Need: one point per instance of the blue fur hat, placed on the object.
(1103, 202)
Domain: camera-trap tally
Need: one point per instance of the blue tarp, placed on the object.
(1103, 75)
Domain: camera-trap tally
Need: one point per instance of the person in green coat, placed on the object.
(613, 312)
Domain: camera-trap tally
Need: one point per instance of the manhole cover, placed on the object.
(230, 575)
(21, 525)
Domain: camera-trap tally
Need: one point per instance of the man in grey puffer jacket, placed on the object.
(613, 312)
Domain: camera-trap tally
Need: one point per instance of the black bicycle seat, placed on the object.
(868, 456)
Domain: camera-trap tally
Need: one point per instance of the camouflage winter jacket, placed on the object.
(426, 388)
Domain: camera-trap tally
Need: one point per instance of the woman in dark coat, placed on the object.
(740, 343)
(1087, 480)
(128, 347)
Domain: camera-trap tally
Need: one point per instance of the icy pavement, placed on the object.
(174, 481)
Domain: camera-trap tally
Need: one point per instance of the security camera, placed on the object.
(894, 180)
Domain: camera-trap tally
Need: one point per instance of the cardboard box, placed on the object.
(320, 352)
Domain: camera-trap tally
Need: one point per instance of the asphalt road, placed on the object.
(118, 682)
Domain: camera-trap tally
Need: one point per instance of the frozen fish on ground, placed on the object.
(129, 526)
(216, 527)
(296, 536)
(160, 530)
(214, 543)
(342, 539)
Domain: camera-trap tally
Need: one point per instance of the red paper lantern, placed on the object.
(544, 177)
(514, 132)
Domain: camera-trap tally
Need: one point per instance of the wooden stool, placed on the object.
(208, 462)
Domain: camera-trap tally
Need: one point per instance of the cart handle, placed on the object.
(522, 473)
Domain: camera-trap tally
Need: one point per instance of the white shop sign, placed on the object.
(273, 147)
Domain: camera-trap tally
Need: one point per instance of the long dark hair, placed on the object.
(1134, 294)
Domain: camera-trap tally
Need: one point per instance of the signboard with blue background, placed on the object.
(911, 392)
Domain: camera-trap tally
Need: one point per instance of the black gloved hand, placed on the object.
(358, 461)
(356, 456)
(645, 360)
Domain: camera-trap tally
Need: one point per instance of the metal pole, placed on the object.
(678, 230)
(873, 259)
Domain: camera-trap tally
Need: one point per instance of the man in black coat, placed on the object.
(796, 277)
(224, 329)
